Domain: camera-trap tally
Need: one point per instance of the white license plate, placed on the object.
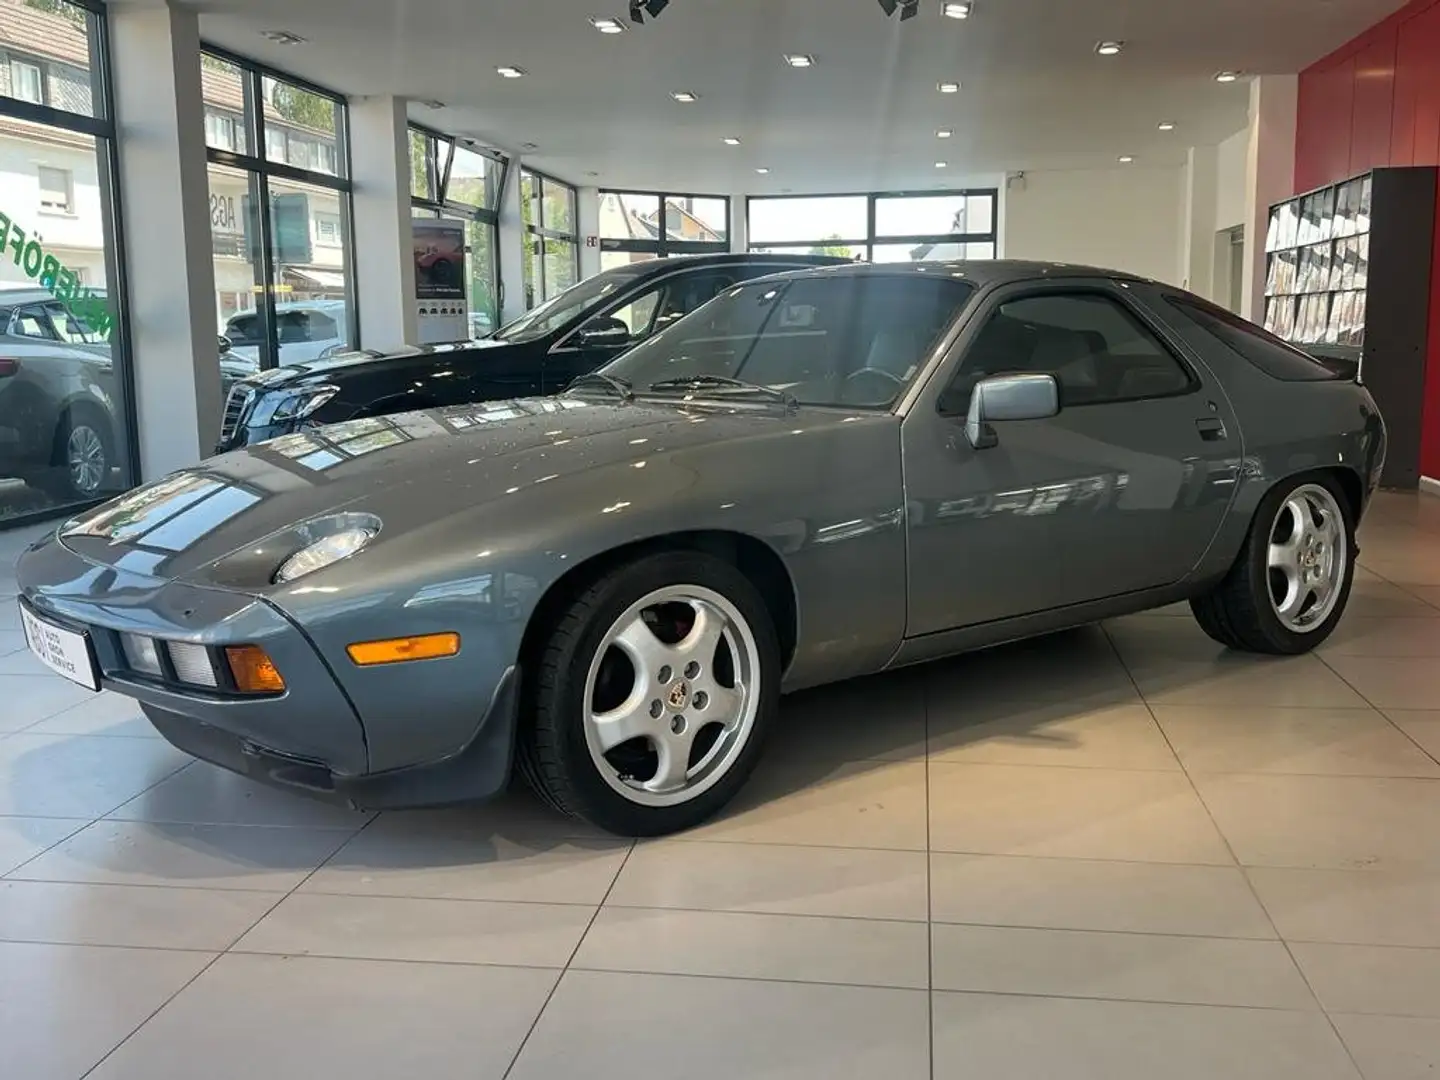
(62, 651)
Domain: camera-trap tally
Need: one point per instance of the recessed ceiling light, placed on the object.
(948, 87)
(508, 72)
(1226, 76)
(944, 133)
(1166, 125)
(799, 60)
(762, 170)
(433, 104)
(942, 164)
(282, 37)
(607, 26)
(529, 146)
(958, 9)
(685, 96)
(1126, 159)
(731, 140)
(1109, 48)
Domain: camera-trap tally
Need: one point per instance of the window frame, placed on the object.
(256, 163)
(536, 230)
(1078, 287)
(872, 240)
(663, 246)
(442, 205)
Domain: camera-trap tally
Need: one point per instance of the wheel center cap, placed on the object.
(679, 694)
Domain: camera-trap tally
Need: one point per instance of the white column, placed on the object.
(1269, 175)
(1197, 237)
(169, 258)
(739, 231)
(384, 261)
(588, 224)
(512, 247)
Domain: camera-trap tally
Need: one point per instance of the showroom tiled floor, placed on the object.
(1117, 853)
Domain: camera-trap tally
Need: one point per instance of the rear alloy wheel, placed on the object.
(1288, 590)
(81, 460)
(653, 695)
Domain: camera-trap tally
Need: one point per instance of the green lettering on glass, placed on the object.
(60, 280)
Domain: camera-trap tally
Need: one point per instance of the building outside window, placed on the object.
(279, 220)
(878, 227)
(552, 236)
(65, 377)
(639, 225)
(456, 178)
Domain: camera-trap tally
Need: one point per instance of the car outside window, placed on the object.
(1098, 351)
(244, 330)
(855, 340)
(1254, 344)
(32, 322)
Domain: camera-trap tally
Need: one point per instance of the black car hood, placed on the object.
(355, 363)
(409, 469)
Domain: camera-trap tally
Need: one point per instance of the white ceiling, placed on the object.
(1034, 93)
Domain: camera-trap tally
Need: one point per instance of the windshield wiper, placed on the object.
(621, 387)
(704, 382)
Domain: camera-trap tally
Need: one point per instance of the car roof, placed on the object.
(730, 258)
(24, 294)
(978, 272)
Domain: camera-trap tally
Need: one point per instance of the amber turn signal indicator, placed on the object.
(398, 650)
(254, 671)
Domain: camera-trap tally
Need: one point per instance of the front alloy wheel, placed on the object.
(651, 700)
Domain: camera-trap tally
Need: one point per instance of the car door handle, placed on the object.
(1211, 428)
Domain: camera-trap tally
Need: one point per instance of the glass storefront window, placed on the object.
(628, 215)
(697, 218)
(422, 177)
(474, 178)
(552, 244)
(301, 127)
(223, 87)
(484, 277)
(786, 220)
(311, 276)
(64, 430)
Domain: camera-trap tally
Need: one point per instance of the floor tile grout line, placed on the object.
(226, 951)
(1404, 734)
(580, 941)
(1250, 885)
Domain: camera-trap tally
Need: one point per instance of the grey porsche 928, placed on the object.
(816, 475)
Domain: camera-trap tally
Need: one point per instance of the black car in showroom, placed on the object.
(573, 333)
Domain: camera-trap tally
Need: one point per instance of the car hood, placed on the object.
(409, 470)
(355, 363)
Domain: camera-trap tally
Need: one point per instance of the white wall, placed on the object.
(1127, 218)
(1231, 158)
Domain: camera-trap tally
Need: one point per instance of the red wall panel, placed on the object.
(1373, 103)
(1376, 102)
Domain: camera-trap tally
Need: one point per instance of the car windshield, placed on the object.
(855, 340)
(560, 310)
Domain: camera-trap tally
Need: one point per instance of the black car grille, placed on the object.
(237, 405)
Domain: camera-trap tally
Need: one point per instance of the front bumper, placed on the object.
(312, 737)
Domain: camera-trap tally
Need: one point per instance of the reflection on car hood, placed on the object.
(341, 363)
(410, 469)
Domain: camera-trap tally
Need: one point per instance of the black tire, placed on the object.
(1239, 613)
(553, 754)
(58, 482)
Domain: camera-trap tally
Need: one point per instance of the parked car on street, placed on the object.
(817, 475)
(59, 411)
(572, 334)
(305, 330)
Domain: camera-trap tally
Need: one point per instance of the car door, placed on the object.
(1122, 491)
(642, 314)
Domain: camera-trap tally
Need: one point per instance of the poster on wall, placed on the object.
(441, 309)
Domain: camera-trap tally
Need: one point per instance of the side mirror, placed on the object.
(1009, 397)
(603, 331)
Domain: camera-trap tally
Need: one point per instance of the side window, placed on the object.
(31, 322)
(323, 327)
(1252, 343)
(244, 330)
(1098, 352)
(294, 327)
(72, 330)
(690, 292)
(639, 314)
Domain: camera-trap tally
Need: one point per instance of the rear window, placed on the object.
(1261, 348)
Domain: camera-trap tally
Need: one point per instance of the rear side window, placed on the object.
(1253, 343)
